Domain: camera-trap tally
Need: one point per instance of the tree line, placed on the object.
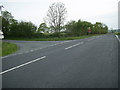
(53, 26)
(77, 28)
(13, 28)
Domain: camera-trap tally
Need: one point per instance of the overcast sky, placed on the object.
(105, 11)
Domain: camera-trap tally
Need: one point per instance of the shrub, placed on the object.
(38, 35)
(56, 34)
(118, 33)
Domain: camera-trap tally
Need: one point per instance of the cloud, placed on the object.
(90, 10)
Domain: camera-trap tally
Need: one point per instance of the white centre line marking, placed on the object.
(22, 65)
(91, 39)
(73, 45)
(31, 50)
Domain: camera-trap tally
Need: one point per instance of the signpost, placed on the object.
(89, 30)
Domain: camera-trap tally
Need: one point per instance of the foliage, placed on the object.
(38, 35)
(22, 29)
(7, 19)
(7, 16)
(43, 28)
(81, 28)
(78, 28)
(99, 28)
(15, 29)
(117, 33)
(5, 27)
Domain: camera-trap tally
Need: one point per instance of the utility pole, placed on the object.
(119, 16)
(1, 37)
(1, 33)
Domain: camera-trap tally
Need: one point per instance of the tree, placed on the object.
(22, 29)
(7, 16)
(56, 16)
(100, 28)
(78, 28)
(71, 28)
(5, 27)
(7, 19)
(43, 28)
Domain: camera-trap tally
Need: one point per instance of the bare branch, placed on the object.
(56, 16)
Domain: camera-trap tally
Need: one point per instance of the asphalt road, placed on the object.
(85, 63)
(119, 61)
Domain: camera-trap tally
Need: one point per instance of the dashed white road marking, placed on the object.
(91, 39)
(51, 45)
(19, 53)
(22, 65)
(73, 45)
(31, 50)
(117, 38)
(27, 52)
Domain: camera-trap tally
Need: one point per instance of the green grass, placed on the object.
(8, 48)
(54, 39)
(117, 33)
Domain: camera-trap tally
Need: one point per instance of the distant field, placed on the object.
(8, 48)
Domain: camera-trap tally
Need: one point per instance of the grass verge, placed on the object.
(54, 39)
(8, 48)
(117, 33)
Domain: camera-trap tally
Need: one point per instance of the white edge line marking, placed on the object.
(117, 38)
(73, 45)
(22, 65)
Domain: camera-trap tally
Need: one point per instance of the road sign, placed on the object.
(89, 30)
